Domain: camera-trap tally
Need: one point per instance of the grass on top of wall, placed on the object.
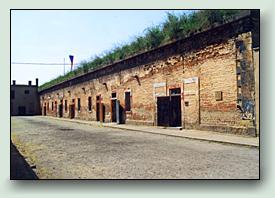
(173, 28)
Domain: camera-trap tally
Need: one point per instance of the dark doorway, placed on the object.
(21, 110)
(103, 112)
(97, 111)
(60, 110)
(163, 110)
(45, 111)
(169, 109)
(175, 107)
(100, 112)
(98, 108)
(113, 108)
(72, 111)
(175, 111)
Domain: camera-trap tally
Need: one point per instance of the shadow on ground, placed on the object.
(19, 168)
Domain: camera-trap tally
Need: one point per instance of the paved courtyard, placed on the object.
(65, 150)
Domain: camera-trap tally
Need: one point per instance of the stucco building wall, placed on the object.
(24, 100)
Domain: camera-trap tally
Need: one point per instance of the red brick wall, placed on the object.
(198, 73)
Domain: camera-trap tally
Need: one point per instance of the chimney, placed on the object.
(13, 82)
(36, 82)
(30, 82)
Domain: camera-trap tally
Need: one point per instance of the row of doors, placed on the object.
(100, 110)
(168, 110)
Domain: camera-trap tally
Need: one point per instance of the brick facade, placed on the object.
(213, 69)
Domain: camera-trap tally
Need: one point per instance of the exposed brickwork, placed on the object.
(198, 72)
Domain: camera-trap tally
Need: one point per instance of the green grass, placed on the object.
(173, 28)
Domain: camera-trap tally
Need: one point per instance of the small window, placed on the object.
(218, 95)
(90, 103)
(127, 101)
(114, 95)
(98, 97)
(78, 104)
(175, 91)
(12, 94)
(66, 106)
(27, 91)
(52, 106)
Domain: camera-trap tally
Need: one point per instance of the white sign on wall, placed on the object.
(190, 80)
(161, 84)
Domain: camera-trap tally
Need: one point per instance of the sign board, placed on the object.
(190, 80)
(161, 84)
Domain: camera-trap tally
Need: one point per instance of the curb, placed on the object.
(191, 138)
(170, 135)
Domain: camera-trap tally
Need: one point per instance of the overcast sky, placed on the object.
(49, 36)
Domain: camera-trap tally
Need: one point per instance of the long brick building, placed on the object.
(208, 81)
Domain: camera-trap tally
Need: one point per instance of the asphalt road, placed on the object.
(67, 150)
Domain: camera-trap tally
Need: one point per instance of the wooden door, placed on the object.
(175, 111)
(163, 104)
(113, 110)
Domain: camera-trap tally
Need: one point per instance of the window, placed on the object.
(114, 95)
(66, 107)
(218, 95)
(12, 94)
(78, 104)
(127, 101)
(175, 91)
(48, 106)
(27, 91)
(90, 103)
(52, 106)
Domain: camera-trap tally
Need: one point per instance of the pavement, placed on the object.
(210, 136)
(65, 149)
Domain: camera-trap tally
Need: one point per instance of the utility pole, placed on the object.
(64, 66)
